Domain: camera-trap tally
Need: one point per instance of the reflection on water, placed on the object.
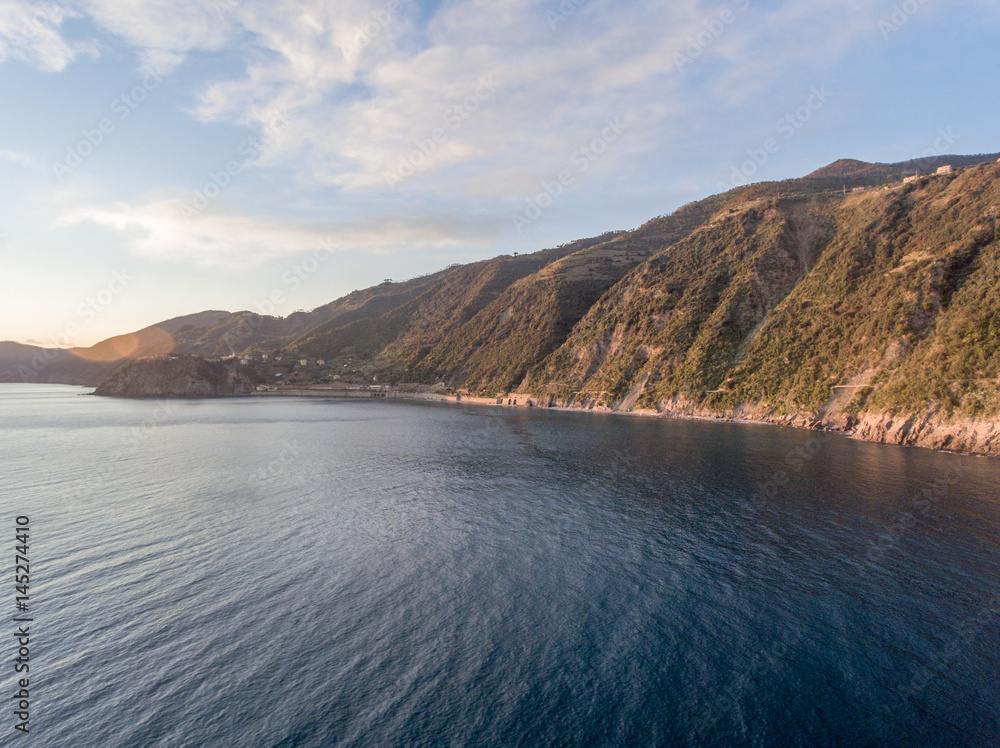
(308, 573)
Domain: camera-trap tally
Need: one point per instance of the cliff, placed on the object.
(932, 428)
(174, 377)
(876, 313)
(844, 300)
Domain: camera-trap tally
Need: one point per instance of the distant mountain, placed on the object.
(88, 366)
(29, 363)
(851, 169)
(845, 299)
(208, 334)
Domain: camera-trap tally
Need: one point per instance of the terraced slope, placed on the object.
(878, 311)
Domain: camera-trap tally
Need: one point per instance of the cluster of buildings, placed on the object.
(266, 357)
(942, 170)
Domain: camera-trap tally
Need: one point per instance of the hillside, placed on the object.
(493, 348)
(29, 363)
(209, 334)
(844, 299)
(877, 312)
(177, 377)
(852, 169)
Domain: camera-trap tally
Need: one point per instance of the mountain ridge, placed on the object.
(752, 304)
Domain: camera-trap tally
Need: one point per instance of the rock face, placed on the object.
(932, 431)
(183, 376)
(875, 314)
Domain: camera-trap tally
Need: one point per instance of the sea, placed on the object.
(282, 572)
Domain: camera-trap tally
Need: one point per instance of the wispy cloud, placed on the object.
(365, 82)
(164, 32)
(159, 230)
(30, 33)
(358, 116)
(375, 88)
(20, 158)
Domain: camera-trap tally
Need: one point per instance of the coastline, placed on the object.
(923, 431)
(914, 431)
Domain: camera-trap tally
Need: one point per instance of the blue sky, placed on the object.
(161, 157)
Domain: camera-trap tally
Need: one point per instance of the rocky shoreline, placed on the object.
(177, 377)
(192, 377)
(927, 431)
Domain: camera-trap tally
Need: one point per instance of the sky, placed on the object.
(164, 157)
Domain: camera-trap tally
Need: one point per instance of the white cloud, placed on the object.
(165, 31)
(29, 32)
(549, 94)
(357, 116)
(19, 158)
(163, 230)
(364, 82)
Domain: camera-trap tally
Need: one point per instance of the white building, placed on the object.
(945, 169)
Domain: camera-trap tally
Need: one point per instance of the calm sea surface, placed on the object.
(274, 572)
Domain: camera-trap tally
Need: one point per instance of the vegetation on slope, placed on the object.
(492, 351)
(880, 301)
(795, 297)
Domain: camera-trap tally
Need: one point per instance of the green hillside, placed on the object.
(890, 296)
(845, 299)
